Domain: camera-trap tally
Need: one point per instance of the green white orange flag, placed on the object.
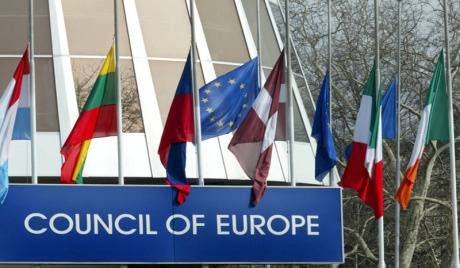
(97, 119)
(433, 126)
(364, 171)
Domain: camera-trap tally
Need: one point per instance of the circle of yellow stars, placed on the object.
(210, 110)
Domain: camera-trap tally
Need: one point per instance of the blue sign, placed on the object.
(130, 224)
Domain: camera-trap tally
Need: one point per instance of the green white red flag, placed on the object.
(433, 126)
(364, 168)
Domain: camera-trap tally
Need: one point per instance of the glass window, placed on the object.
(269, 44)
(90, 27)
(166, 76)
(222, 69)
(223, 31)
(14, 18)
(165, 27)
(46, 105)
(86, 71)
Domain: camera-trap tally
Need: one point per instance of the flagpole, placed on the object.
(451, 141)
(329, 67)
(290, 98)
(377, 88)
(121, 179)
(398, 140)
(33, 121)
(196, 96)
(259, 61)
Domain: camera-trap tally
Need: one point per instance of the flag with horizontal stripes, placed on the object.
(9, 104)
(97, 119)
(252, 143)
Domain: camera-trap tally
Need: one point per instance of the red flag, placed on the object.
(252, 143)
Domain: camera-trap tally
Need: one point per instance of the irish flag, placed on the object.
(433, 126)
(97, 119)
(364, 168)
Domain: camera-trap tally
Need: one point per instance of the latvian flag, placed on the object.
(252, 143)
(364, 168)
(18, 86)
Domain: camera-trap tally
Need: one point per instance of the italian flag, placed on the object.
(364, 168)
(433, 126)
(97, 119)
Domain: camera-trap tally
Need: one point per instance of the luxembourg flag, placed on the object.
(15, 97)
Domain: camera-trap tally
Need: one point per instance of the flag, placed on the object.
(388, 116)
(223, 104)
(8, 110)
(326, 157)
(363, 172)
(433, 126)
(252, 143)
(97, 119)
(225, 101)
(389, 112)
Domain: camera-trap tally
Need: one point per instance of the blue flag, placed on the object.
(326, 157)
(388, 115)
(225, 101)
(389, 112)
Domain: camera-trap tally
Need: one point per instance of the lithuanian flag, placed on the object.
(97, 119)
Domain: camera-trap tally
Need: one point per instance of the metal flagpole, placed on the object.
(377, 87)
(290, 98)
(33, 121)
(453, 182)
(259, 51)
(398, 140)
(329, 67)
(196, 96)
(121, 180)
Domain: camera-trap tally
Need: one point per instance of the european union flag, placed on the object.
(225, 101)
(389, 112)
(326, 157)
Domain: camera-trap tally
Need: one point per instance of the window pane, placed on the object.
(90, 27)
(46, 105)
(269, 44)
(86, 71)
(165, 27)
(14, 18)
(223, 31)
(166, 76)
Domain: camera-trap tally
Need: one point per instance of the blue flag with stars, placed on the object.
(326, 157)
(225, 101)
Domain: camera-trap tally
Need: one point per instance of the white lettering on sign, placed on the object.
(177, 224)
(61, 223)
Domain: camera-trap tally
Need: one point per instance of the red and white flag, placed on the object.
(252, 143)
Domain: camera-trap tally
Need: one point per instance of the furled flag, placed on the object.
(326, 157)
(388, 115)
(433, 126)
(9, 103)
(223, 104)
(97, 119)
(252, 143)
(389, 112)
(363, 172)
